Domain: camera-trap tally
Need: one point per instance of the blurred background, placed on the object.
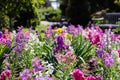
(14, 13)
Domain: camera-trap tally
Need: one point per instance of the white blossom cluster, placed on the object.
(48, 70)
(33, 44)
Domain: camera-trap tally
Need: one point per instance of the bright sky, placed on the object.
(55, 5)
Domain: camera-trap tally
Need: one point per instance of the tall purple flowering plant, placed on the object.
(20, 41)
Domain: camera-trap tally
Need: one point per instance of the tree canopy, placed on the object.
(20, 10)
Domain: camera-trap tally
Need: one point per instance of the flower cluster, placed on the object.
(48, 33)
(5, 38)
(20, 41)
(36, 65)
(68, 58)
(58, 52)
(26, 75)
(95, 35)
(5, 75)
(106, 57)
(60, 44)
(40, 70)
(73, 30)
(78, 75)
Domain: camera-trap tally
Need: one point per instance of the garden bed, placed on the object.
(67, 53)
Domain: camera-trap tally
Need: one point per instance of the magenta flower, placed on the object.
(4, 39)
(5, 74)
(118, 37)
(99, 77)
(78, 75)
(118, 52)
(90, 78)
(1, 34)
(94, 37)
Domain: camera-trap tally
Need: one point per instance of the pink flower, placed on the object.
(27, 34)
(118, 52)
(5, 74)
(98, 77)
(118, 37)
(94, 37)
(90, 78)
(78, 75)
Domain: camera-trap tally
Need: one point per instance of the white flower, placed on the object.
(48, 68)
(67, 41)
(118, 67)
(38, 74)
(118, 60)
(44, 63)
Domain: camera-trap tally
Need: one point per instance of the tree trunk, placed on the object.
(10, 23)
(78, 12)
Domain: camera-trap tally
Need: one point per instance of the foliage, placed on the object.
(80, 11)
(117, 2)
(82, 48)
(52, 14)
(4, 21)
(16, 9)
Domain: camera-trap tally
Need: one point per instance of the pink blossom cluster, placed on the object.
(5, 37)
(95, 35)
(5, 74)
(78, 75)
(68, 58)
(118, 52)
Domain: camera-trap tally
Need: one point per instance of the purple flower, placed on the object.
(93, 61)
(100, 53)
(1, 34)
(99, 77)
(31, 27)
(20, 28)
(48, 33)
(37, 33)
(79, 28)
(41, 78)
(49, 78)
(72, 30)
(26, 75)
(60, 44)
(20, 41)
(5, 55)
(108, 60)
(36, 65)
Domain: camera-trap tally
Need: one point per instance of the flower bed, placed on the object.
(67, 53)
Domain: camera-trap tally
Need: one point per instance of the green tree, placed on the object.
(80, 11)
(20, 10)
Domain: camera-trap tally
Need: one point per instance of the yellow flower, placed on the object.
(69, 36)
(58, 30)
